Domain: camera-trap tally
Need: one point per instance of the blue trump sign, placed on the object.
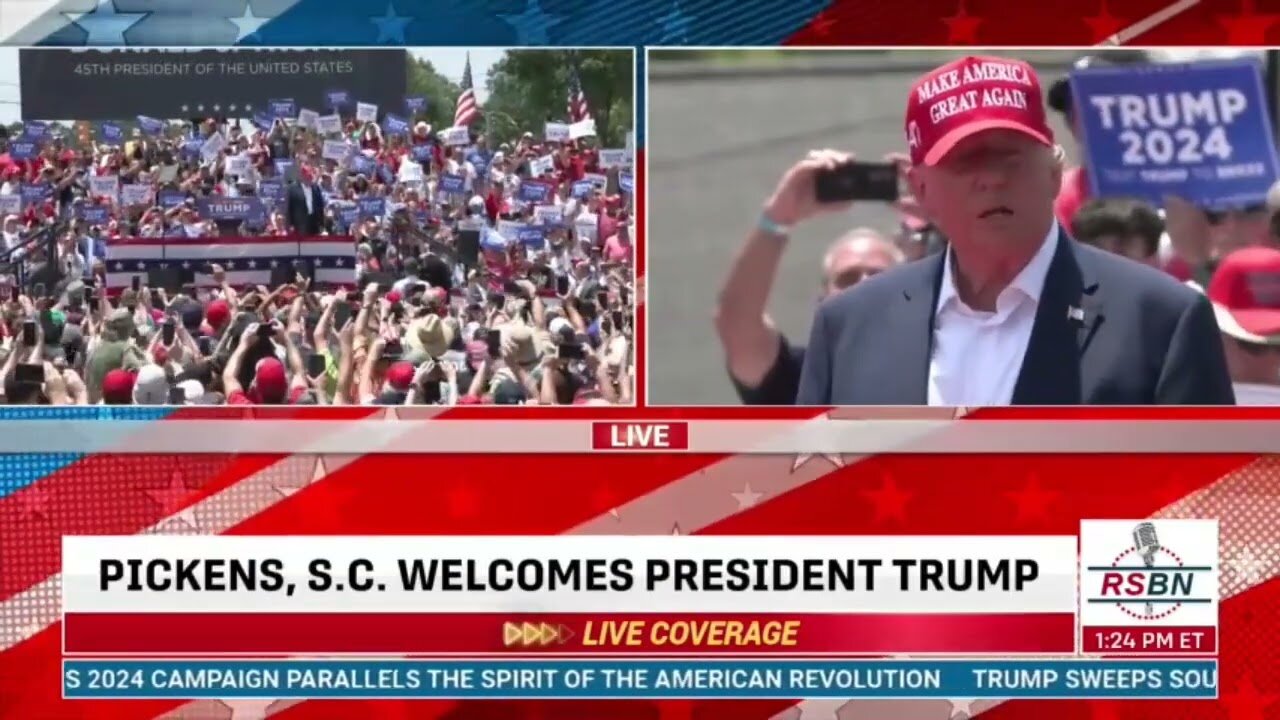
(1198, 131)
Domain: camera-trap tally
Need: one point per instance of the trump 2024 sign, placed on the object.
(1199, 131)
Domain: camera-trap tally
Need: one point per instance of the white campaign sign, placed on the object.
(329, 124)
(308, 118)
(582, 128)
(238, 165)
(366, 112)
(212, 146)
(456, 136)
(614, 158)
(107, 186)
(335, 150)
(136, 194)
(557, 132)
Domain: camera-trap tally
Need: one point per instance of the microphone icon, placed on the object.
(1146, 543)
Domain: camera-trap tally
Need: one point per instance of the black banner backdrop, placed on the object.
(174, 84)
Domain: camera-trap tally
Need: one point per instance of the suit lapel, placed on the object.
(1068, 315)
(909, 340)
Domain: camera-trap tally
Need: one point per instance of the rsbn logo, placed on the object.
(1149, 581)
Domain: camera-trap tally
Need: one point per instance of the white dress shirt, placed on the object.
(977, 355)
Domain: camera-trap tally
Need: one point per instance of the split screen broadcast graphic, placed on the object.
(1127, 609)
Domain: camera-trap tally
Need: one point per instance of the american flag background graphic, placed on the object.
(468, 109)
(47, 496)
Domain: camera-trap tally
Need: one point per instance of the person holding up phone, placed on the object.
(1013, 312)
(762, 364)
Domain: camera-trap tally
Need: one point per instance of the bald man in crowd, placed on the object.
(1015, 312)
(763, 365)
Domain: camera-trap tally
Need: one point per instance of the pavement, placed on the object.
(718, 142)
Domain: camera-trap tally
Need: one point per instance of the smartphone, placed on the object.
(510, 287)
(858, 181)
(70, 354)
(342, 312)
(494, 341)
(169, 332)
(624, 296)
(39, 290)
(316, 365)
(29, 374)
(136, 283)
(602, 300)
(562, 284)
(497, 300)
(14, 293)
(616, 317)
(29, 333)
(570, 351)
(265, 330)
(156, 300)
(92, 301)
(177, 396)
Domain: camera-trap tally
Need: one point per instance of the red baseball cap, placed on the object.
(967, 96)
(270, 381)
(1245, 292)
(400, 376)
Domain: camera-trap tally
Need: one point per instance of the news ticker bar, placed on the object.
(543, 436)
(647, 679)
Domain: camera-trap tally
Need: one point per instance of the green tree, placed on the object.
(528, 88)
(441, 94)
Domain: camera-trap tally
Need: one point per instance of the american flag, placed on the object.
(468, 110)
(247, 260)
(578, 109)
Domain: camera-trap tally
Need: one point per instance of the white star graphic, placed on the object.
(253, 264)
(391, 26)
(675, 24)
(531, 25)
(186, 108)
(961, 709)
(247, 24)
(822, 709)
(747, 498)
(1247, 566)
(275, 263)
(836, 460)
(675, 529)
(104, 25)
(217, 107)
(248, 709)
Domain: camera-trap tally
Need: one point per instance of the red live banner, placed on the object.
(646, 435)
(576, 633)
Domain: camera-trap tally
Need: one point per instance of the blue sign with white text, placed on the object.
(1199, 131)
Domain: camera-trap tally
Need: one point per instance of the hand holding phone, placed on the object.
(853, 180)
(494, 341)
(169, 331)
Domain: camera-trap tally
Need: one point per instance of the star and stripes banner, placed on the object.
(577, 107)
(246, 260)
(468, 110)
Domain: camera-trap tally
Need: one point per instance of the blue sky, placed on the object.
(448, 62)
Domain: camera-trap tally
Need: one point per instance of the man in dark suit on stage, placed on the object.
(1015, 311)
(305, 206)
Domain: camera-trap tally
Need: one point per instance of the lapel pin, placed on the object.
(1076, 314)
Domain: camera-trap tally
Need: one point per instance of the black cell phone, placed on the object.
(169, 332)
(494, 341)
(497, 300)
(70, 354)
(91, 282)
(570, 351)
(341, 314)
(602, 300)
(616, 317)
(316, 365)
(156, 300)
(29, 333)
(14, 293)
(29, 374)
(562, 284)
(511, 288)
(92, 301)
(624, 296)
(858, 181)
(136, 283)
(39, 290)
(177, 396)
(393, 350)
(265, 330)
